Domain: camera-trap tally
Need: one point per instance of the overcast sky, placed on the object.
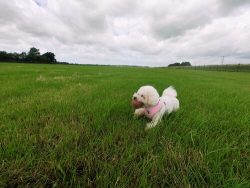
(132, 32)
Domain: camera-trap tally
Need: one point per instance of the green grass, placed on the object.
(73, 126)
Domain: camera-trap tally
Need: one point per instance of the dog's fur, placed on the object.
(149, 96)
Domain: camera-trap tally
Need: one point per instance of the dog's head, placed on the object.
(147, 95)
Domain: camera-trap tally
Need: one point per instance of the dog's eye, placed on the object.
(142, 96)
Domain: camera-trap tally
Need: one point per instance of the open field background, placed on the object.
(69, 125)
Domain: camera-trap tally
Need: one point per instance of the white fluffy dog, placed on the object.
(154, 106)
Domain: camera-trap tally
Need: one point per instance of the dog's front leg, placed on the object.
(139, 112)
(155, 120)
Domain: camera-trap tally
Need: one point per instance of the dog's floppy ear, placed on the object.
(152, 100)
(133, 95)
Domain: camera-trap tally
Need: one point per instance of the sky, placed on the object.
(129, 32)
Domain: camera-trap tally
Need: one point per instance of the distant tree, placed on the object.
(14, 56)
(49, 57)
(22, 56)
(4, 56)
(174, 64)
(185, 63)
(33, 55)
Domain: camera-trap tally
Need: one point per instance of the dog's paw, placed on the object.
(149, 126)
(135, 116)
(138, 113)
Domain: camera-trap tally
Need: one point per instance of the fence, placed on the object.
(228, 68)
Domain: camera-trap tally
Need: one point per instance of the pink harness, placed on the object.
(151, 111)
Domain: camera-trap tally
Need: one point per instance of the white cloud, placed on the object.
(153, 33)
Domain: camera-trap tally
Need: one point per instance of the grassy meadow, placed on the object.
(73, 126)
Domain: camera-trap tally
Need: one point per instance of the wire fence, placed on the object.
(228, 68)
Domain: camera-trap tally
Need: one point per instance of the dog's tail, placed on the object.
(170, 91)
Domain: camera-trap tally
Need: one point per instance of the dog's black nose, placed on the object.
(135, 98)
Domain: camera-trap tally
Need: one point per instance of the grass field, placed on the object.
(69, 126)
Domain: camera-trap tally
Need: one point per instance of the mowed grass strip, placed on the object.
(73, 126)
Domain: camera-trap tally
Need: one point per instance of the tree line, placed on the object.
(32, 56)
(185, 63)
